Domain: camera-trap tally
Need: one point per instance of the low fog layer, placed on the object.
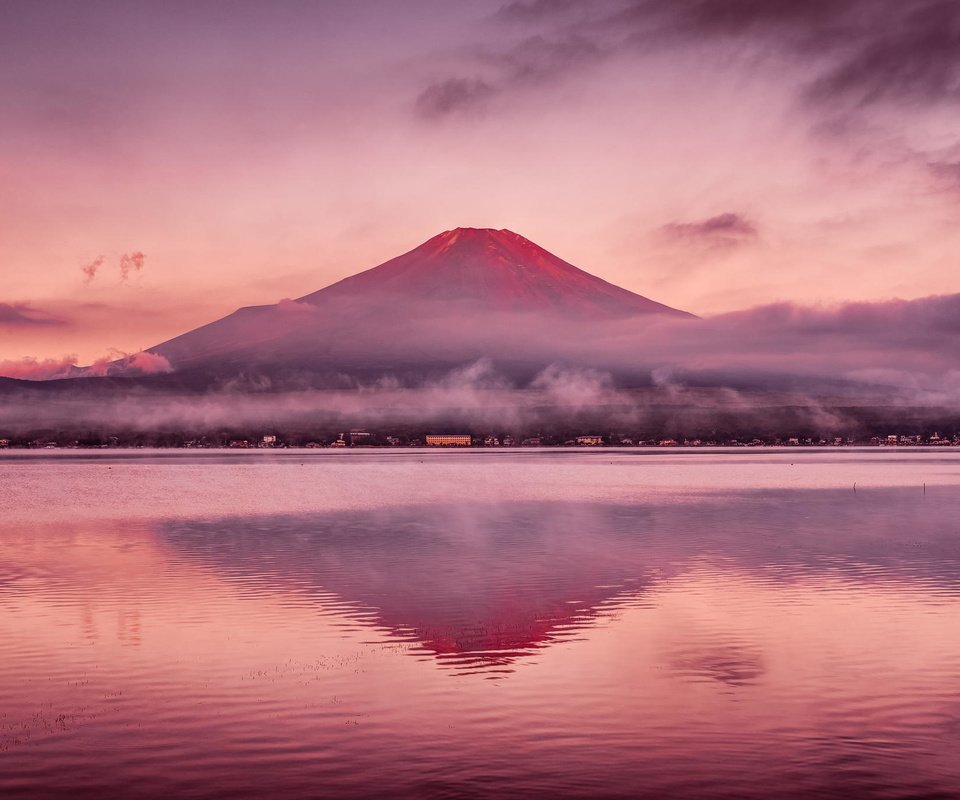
(559, 402)
(362, 363)
(899, 344)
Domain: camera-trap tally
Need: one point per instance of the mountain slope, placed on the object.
(499, 270)
(463, 294)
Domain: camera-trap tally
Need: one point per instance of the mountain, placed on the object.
(497, 270)
(464, 294)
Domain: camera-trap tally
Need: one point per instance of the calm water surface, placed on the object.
(480, 624)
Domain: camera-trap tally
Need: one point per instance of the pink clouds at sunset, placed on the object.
(715, 155)
(42, 369)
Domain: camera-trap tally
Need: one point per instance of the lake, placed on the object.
(493, 623)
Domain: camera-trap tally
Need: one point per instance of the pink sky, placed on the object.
(710, 155)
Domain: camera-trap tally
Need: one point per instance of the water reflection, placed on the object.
(477, 586)
(683, 644)
(481, 586)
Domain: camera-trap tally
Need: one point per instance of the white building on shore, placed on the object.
(448, 440)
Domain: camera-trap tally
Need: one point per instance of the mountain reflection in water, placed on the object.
(482, 585)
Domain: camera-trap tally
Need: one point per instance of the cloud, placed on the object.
(901, 320)
(117, 363)
(861, 52)
(576, 387)
(532, 62)
(914, 55)
(539, 59)
(847, 53)
(35, 369)
(454, 96)
(724, 230)
(22, 314)
(123, 364)
(90, 270)
(840, 66)
(481, 374)
(148, 363)
(536, 10)
(776, 367)
(741, 18)
(288, 305)
(946, 173)
(130, 262)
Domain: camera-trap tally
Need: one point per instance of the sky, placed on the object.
(164, 164)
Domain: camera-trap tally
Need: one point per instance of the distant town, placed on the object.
(366, 438)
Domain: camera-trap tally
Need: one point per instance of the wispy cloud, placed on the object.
(131, 262)
(454, 96)
(909, 51)
(536, 10)
(857, 52)
(946, 173)
(116, 363)
(533, 62)
(38, 369)
(90, 269)
(23, 314)
(852, 53)
(127, 364)
(724, 230)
